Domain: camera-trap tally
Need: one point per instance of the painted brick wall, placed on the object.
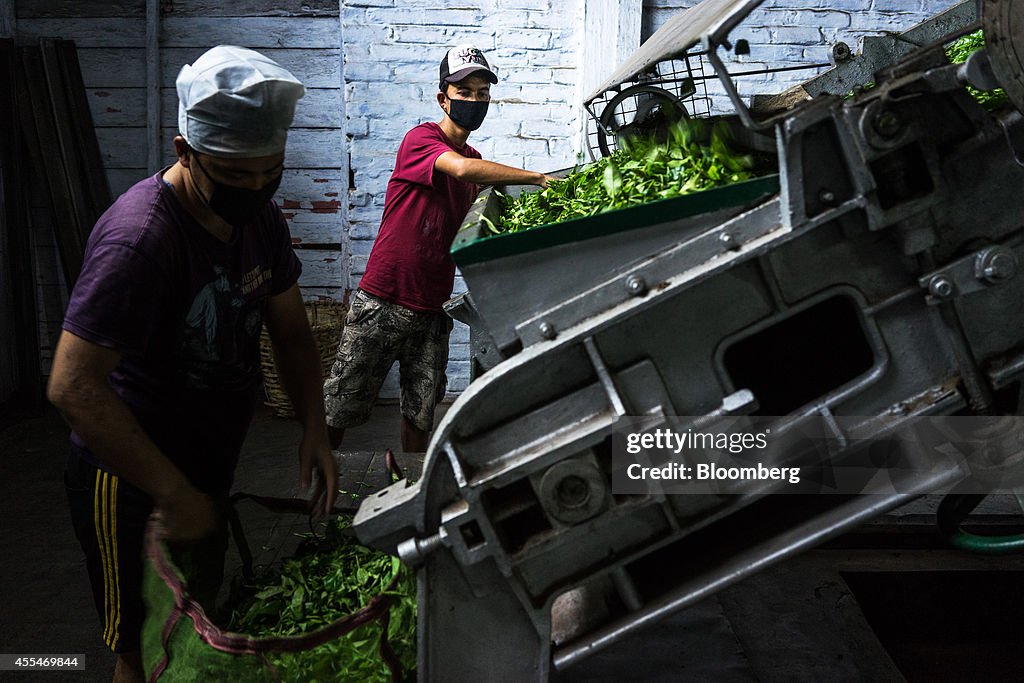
(785, 33)
(391, 55)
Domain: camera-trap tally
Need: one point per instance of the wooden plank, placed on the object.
(153, 85)
(74, 172)
(126, 107)
(8, 20)
(44, 150)
(317, 235)
(120, 179)
(87, 32)
(309, 198)
(117, 67)
(315, 184)
(298, 185)
(105, 67)
(71, 9)
(117, 107)
(20, 338)
(315, 67)
(253, 8)
(253, 32)
(9, 370)
(122, 147)
(307, 148)
(97, 192)
(80, 157)
(321, 268)
(314, 148)
(44, 250)
(52, 290)
(319, 108)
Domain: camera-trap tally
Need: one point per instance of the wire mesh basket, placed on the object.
(670, 90)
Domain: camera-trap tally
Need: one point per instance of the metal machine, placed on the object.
(875, 275)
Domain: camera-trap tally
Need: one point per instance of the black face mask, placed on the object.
(237, 205)
(466, 113)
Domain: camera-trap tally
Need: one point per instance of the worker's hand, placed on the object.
(186, 514)
(319, 472)
(545, 179)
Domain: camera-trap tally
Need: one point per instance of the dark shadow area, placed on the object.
(946, 625)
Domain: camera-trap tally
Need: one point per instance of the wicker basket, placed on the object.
(326, 318)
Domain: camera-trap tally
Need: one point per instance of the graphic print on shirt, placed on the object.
(221, 332)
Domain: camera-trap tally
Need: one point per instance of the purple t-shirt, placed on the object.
(185, 310)
(410, 263)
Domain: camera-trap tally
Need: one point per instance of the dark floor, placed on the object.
(839, 614)
(45, 601)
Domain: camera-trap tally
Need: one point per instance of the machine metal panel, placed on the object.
(879, 283)
(513, 276)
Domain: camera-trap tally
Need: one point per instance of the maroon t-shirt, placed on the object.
(410, 263)
(185, 311)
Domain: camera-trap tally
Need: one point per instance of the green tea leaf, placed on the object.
(612, 180)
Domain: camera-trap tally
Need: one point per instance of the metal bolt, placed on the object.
(941, 287)
(635, 285)
(841, 52)
(414, 550)
(726, 239)
(738, 402)
(995, 265)
(572, 492)
(547, 330)
(827, 197)
(888, 124)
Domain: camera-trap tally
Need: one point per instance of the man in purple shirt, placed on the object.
(157, 369)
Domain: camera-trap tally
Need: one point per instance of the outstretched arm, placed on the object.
(482, 172)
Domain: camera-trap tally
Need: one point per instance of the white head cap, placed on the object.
(234, 102)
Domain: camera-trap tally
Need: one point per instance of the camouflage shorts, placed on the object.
(376, 334)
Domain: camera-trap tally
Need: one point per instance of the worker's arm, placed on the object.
(482, 172)
(298, 365)
(80, 390)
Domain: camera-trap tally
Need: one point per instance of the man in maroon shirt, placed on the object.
(396, 313)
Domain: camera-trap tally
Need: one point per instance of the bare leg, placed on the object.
(414, 440)
(128, 668)
(334, 436)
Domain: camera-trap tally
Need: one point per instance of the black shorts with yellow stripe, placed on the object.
(109, 516)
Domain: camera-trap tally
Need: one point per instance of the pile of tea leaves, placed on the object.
(331, 577)
(691, 158)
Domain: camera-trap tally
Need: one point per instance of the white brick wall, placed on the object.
(785, 33)
(392, 48)
(392, 51)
